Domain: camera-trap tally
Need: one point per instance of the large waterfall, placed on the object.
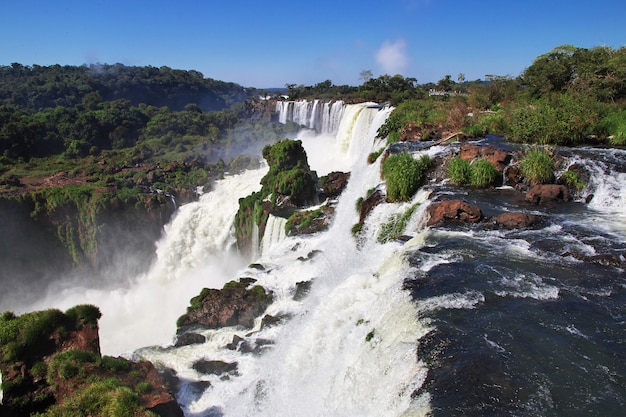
(445, 321)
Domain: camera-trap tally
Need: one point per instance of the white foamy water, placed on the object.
(194, 252)
(354, 333)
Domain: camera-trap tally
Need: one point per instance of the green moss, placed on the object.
(372, 157)
(85, 314)
(20, 335)
(572, 179)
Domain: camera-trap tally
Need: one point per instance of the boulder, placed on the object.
(234, 305)
(215, 367)
(453, 211)
(498, 157)
(547, 194)
(515, 220)
(334, 183)
(187, 339)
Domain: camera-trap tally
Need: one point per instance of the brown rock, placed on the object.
(547, 193)
(453, 211)
(498, 157)
(334, 183)
(515, 220)
(234, 305)
(369, 203)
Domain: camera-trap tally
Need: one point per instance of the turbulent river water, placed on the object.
(449, 321)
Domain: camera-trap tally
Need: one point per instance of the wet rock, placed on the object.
(234, 305)
(334, 183)
(372, 200)
(187, 339)
(302, 290)
(515, 220)
(547, 194)
(215, 367)
(453, 211)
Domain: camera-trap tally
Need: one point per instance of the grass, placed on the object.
(483, 173)
(459, 171)
(404, 175)
(537, 166)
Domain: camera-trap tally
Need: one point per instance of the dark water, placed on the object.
(527, 322)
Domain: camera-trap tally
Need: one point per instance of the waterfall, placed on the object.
(274, 233)
(355, 333)
(195, 251)
(321, 117)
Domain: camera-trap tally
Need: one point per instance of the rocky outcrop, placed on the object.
(496, 156)
(234, 305)
(453, 211)
(45, 356)
(333, 184)
(515, 220)
(547, 194)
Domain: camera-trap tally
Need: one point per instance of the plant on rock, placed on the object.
(404, 175)
(483, 173)
(537, 166)
(459, 171)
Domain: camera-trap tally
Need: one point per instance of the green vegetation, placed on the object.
(373, 156)
(301, 220)
(395, 226)
(403, 175)
(289, 176)
(42, 370)
(459, 171)
(107, 397)
(572, 179)
(483, 173)
(537, 166)
(479, 173)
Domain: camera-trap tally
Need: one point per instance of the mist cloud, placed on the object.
(392, 58)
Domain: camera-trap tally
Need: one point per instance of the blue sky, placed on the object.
(271, 43)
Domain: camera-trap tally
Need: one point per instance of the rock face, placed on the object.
(453, 211)
(369, 203)
(515, 220)
(547, 194)
(234, 305)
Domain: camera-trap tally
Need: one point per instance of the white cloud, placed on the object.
(392, 58)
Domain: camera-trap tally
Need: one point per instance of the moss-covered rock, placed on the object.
(237, 304)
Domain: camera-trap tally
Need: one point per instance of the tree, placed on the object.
(365, 75)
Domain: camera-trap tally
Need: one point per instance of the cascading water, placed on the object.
(349, 347)
(195, 252)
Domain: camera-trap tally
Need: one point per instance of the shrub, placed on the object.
(537, 166)
(459, 171)
(84, 314)
(372, 157)
(572, 179)
(395, 226)
(483, 173)
(404, 175)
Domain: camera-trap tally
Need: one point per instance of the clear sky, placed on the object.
(271, 43)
